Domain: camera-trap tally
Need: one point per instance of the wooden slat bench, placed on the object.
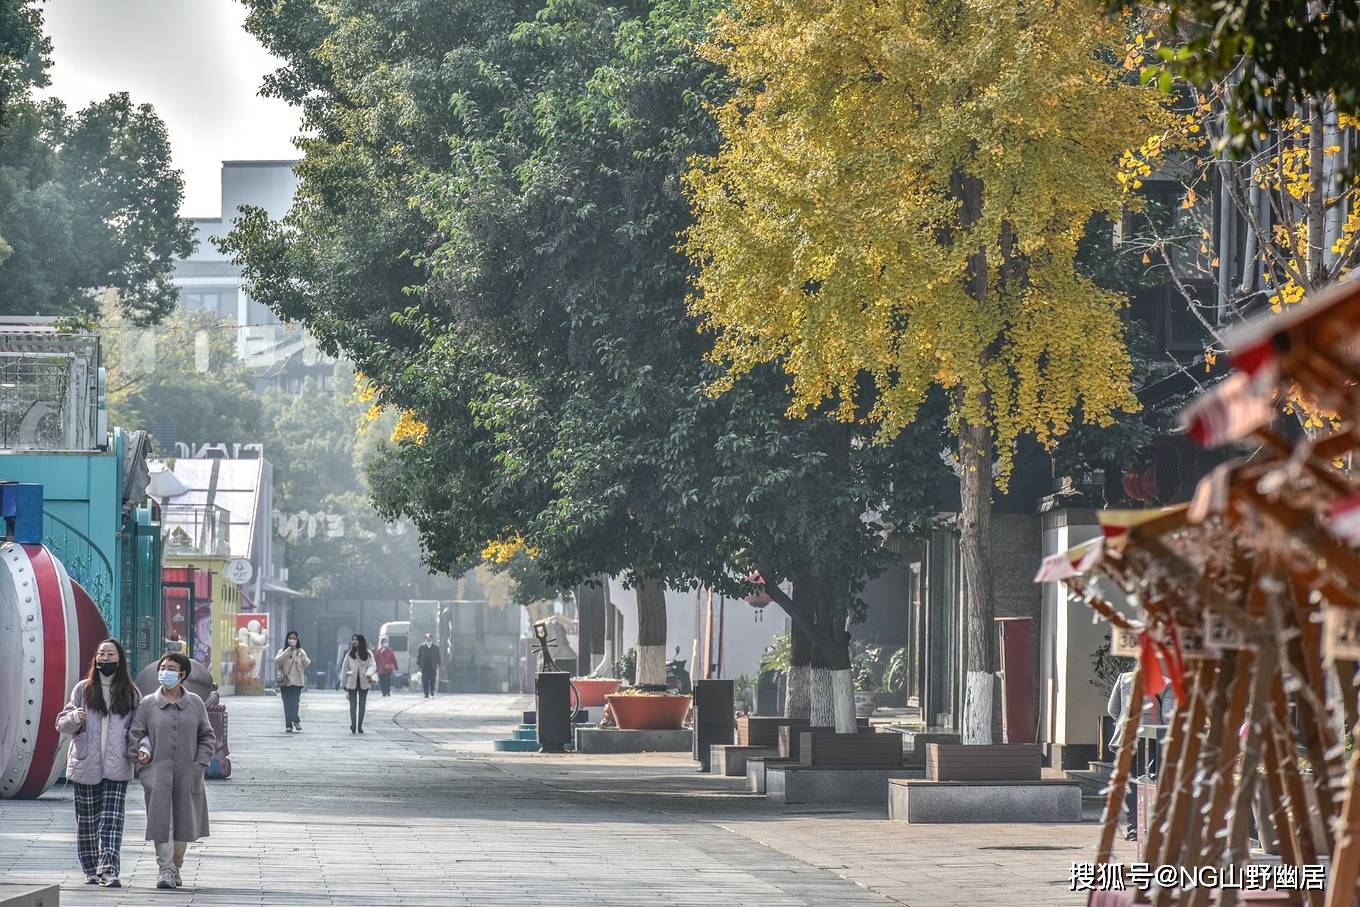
(827, 749)
(763, 730)
(914, 745)
(791, 736)
(991, 762)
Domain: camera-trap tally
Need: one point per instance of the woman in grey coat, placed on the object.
(172, 740)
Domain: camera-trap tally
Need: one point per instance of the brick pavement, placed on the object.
(420, 811)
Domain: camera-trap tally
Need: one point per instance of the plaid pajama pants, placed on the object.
(100, 813)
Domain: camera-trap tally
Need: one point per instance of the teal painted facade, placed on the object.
(116, 559)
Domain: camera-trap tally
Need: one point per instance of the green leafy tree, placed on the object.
(1268, 54)
(89, 200)
(487, 225)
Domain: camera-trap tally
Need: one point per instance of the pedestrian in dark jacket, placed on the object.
(173, 742)
(427, 658)
(97, 719)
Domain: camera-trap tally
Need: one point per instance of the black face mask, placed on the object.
(108, 670)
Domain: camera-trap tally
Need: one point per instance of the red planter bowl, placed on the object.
(649, 711)
(592, 690)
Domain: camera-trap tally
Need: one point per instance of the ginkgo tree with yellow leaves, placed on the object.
(897, 205)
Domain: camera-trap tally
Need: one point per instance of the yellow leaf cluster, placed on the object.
(502, 551)
(409, 428)
(366, 394)
(830, 233)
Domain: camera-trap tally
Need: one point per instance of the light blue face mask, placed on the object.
(168, 678)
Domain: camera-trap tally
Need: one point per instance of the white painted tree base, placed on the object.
(798, 693)
(651, 664)
(843, 697)
(977, 708)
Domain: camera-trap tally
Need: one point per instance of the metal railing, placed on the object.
(84, 562)
(196, 529)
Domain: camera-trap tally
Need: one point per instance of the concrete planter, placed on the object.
(649, 711)
(593, 690)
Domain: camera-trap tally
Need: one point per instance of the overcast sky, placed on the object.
(194, 62)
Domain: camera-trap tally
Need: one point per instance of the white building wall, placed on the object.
(744, 638)
(1070, 704)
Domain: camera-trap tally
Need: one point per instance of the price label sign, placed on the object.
(1342, 639)
(1124, 643)
(1192, 642)
(1221, 633)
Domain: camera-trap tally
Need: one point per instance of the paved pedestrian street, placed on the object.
(420, 811)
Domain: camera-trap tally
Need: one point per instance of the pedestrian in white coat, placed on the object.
(358, 671)
(291, 664)
(96, 719)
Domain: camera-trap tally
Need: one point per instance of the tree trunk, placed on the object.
(1317, 228)
(842, 686)
(832, 699)
(823, 702)
(651, 645)
(975, 544)
(798, 694)
(833, 691)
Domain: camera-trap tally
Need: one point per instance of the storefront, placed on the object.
(200, 614)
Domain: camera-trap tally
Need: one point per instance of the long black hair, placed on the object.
(123, 693)
(363, 647)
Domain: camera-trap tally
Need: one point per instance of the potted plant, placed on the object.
(867, 667)
(743, 694)
(627, 667)
(637, 709)
(592, 690)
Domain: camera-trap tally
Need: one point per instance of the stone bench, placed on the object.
(730, 760)
(25, 895)
(923, 801)
(983, 763)
(756, 769)
(796, 784)
(614, 740)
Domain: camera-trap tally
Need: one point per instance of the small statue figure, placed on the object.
(250, 646)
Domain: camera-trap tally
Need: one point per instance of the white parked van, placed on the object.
(398, 636)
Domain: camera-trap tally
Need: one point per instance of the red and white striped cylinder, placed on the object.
(49, 628)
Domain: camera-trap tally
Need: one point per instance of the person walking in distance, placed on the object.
(96, 719)
(386, 660)
(427, 659)
(357, 673)
(173, 742)
(1157, 709)
(291, 663)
